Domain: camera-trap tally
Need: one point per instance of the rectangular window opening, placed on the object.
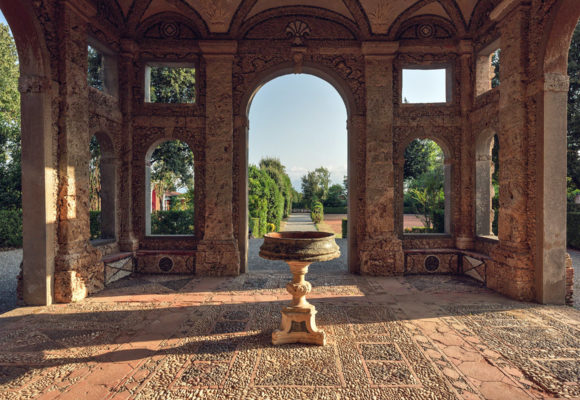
(424, 86)
(170, 85)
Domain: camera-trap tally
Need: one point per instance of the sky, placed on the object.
(301, 119)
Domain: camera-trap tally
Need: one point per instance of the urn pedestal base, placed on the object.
(299, 327)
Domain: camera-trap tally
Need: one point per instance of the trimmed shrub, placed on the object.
(95, 224)
(317, 213)
(10, 228)
(173, 222)
(335, 210)
(254, 227)
(573, 230)
(417, 229)
(344, 228)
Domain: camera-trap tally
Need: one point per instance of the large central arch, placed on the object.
(342, 88)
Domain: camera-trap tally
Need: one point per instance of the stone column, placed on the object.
(381, 251)
(551, 197)
(127, 84)
(39, 184)
(464, 227)
(217, 253)
(78, 267)
(512, 272)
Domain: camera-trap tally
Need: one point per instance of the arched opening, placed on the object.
(102, 193)
(339, 189)
(426, 188)
(487, 185)
(550, 259)
(169, 189)
(37, 155)
(10, 171)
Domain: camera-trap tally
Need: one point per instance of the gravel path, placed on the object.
(9, 270)
(299, 222)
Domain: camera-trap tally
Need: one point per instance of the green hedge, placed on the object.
(254, 227)
(174, 222)
(344, 228)
(10, 228)
(573, 230)
(95, 224)
(335, 210)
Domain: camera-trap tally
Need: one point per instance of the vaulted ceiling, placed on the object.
(372, 17)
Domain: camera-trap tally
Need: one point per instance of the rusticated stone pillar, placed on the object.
(39, 184)
(464, 227)
(512, 271)
(381, 251)
(217, 253)
(127, 239)
(78, 267)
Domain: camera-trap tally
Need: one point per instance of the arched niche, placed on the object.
(484, 191)
(108, 177)
(447, 174)
(149, 188)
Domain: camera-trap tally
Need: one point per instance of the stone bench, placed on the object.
(460, 254)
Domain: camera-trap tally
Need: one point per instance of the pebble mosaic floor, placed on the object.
(176, 337)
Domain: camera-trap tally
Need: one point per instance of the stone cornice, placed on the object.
(218, 47)
(379, 48)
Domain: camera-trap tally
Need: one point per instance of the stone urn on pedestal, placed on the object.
(299, 250)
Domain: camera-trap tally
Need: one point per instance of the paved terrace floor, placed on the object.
(173, 337)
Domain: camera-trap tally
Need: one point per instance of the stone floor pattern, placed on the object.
(172, 337)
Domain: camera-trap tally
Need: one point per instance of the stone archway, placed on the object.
(551, 166)
(39, 171)
(242, 132)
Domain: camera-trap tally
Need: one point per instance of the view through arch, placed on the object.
(297, 162)
(11, 236)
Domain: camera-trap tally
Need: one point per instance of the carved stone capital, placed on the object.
(33, 84)
(556, 83)
(129, 48)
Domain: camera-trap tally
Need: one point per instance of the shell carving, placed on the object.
(297, 31)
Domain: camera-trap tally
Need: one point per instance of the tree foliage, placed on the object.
(10, 155)
(172, 85)
(315, 186)
(424, 182)
(95, 175)
(495, 65)
(172, 168)
(574, 113)
(421, 155)
(277, 172)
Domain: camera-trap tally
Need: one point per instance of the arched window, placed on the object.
(169, 189)
(426, 188)
(102, 193)
(487, 185)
